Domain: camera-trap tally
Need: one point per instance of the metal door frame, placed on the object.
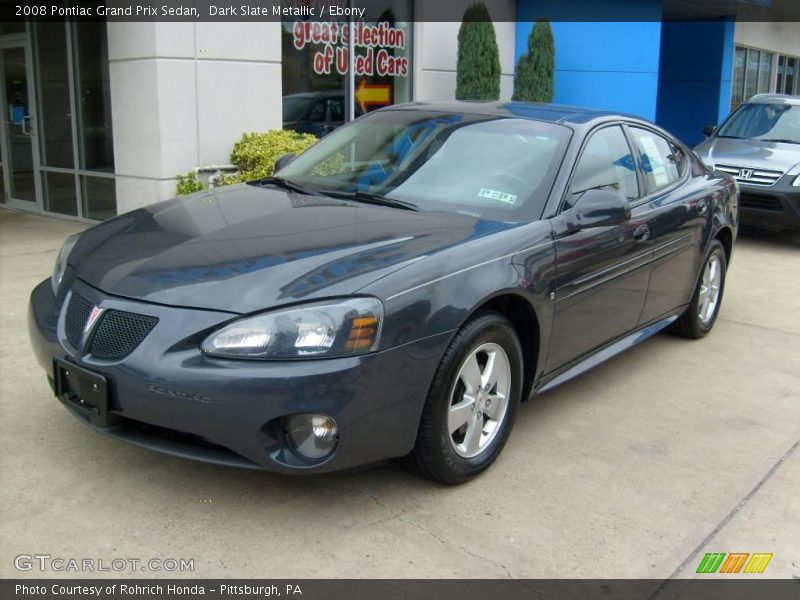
(21, 40)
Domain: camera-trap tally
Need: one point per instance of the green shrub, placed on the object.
(534, 80)
(188, 184)
(478, 69)
(254, 155)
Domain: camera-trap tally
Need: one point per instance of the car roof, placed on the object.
(774, 99)
(554, 113)
(323, 94)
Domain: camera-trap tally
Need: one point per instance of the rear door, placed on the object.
(680, 206)
(602, 272)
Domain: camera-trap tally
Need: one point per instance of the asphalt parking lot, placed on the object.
(634, 470)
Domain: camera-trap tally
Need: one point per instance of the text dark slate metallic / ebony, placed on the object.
(394, 291)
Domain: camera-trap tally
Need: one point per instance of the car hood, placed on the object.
(773, 156)
(247, 248)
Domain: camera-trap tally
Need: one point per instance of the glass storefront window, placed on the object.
(55, 114)
(752, 74)
(99, 197)
(737, 93)
(73, 113)
(93, 96)
(790, 85)
(316, 65)
(764, 72)
(59, 193)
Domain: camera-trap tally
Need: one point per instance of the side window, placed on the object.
(662, 163)
(318, 113)
(606, 164)
(337, 109)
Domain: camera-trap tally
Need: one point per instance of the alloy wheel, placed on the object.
(479, 400)
(709, 290)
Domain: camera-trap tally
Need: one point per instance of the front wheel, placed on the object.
(472, 402)
(700, 316)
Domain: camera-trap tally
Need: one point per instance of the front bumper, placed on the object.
(168, 396)
(773, 207)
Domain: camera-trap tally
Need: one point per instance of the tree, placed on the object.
(534, 80)
(478, 70)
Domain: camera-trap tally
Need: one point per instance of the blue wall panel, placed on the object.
(608, 65)
(695, 78)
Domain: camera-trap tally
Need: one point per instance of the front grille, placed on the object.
(119, 333)
(755, 176)
(78, 311)
(760, 202)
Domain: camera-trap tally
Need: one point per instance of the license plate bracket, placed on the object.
(83, 390)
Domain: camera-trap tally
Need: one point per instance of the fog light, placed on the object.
(312, 436)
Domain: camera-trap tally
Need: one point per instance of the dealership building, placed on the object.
(100, 116)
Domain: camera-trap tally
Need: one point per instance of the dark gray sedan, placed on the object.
(395, 291)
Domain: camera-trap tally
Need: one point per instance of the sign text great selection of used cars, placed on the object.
(395, 291)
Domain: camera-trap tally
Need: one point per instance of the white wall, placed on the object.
(182, 94)
(781, 37)
(436, 50)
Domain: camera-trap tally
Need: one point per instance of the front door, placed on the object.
(602, 272)
(18, 143)
(681, 213)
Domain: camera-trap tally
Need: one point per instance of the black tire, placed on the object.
(689, 324)
(433, 455)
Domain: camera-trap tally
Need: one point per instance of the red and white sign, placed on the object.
(378, 40)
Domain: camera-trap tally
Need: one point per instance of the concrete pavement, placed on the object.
(634, 470)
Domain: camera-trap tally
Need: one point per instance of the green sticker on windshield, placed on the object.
(504, 197)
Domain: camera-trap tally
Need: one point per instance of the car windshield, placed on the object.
(295, 106)
(490, 167)
(767, 122)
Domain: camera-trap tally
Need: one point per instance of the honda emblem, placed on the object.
(745, 173)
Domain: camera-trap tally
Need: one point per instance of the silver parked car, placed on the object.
(759, 145)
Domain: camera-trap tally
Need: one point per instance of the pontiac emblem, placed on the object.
(93, 316)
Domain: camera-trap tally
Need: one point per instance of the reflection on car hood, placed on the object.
(773, 156)
(247, 248)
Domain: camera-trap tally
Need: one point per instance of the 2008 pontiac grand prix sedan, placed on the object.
(395, 291)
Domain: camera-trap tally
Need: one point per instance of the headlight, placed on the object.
(322, 329)
(61, 262)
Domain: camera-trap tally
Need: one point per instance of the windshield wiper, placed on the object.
(780, 140)
(281, 182)
(371, 198)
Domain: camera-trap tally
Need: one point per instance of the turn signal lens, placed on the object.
(363, 333)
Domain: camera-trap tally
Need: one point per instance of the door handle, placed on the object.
(26, 128)
(641, 233)
(702, 207)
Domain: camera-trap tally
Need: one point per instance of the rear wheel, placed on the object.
(472, 402)
(700, 316)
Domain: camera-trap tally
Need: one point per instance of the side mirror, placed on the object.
(709, 130)
(599, 208)
(282, 161)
